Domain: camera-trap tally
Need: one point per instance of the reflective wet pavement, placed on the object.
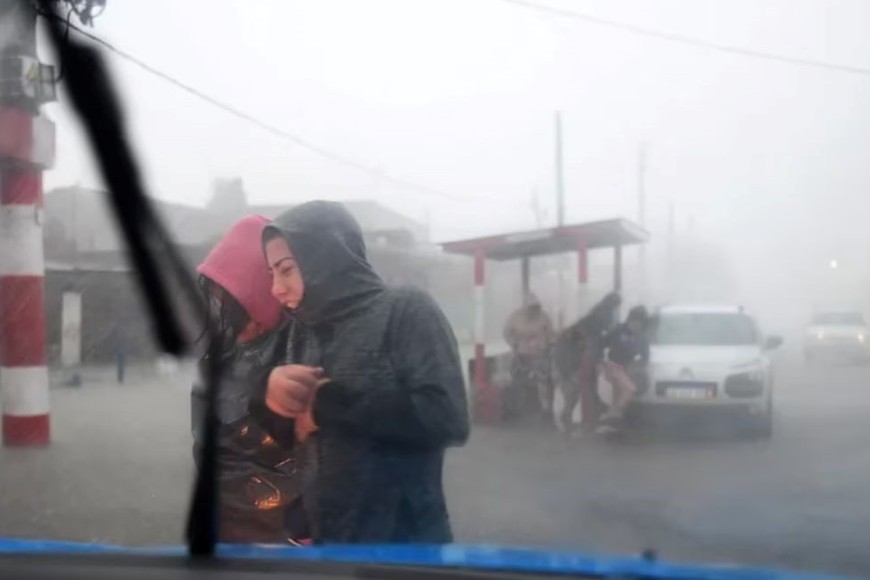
(119, 470)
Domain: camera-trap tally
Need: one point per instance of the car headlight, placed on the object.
(751, 371)
(861, 338)
(749, 365)
(756, 376)
(820, 336)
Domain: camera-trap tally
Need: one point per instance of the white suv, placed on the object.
(710, 359)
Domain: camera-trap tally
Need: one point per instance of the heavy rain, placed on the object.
(644, 224)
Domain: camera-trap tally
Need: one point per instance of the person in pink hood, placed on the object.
(259, 475)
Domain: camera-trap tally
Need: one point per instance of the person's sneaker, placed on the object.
(606, 429)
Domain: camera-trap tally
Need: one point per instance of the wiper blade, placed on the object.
(152, 253)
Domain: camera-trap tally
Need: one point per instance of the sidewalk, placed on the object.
(136, 373)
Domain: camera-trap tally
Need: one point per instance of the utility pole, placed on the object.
(560, 218)
(641, 184)
(560, 181)
(537, 210)
(672, 224)
(27, 143)
(641, 216)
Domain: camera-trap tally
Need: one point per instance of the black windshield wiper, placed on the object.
(153, 255)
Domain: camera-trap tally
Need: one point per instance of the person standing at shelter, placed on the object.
(259, 481)
(577, 352)
(529, 333)
(377, 381)
(626, 364)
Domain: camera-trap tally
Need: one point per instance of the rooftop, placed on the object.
(598, 234)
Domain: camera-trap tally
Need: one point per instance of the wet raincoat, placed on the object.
(529, 331)
(396, 397)
(259, 477)
(577, 352)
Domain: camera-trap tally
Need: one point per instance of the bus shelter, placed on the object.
(580, 238)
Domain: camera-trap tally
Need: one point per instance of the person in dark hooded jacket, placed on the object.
(626, 365)
(259, 478)
(578, 350)
(377, 379)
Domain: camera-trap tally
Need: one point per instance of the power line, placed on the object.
(688, 40)
(296, 139)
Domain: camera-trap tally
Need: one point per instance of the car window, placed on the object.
(703, 329)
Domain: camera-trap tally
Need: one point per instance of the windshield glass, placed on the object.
(704, 329)
(433, 249)
(839, 318)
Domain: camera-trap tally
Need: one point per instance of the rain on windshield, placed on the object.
(535, 273)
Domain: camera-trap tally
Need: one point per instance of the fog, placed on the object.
(744, 123)
(763, 160)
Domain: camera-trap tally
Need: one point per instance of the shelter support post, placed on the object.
(582, 261)
(479, 318)
(617, 268)
(485, 398)
(524, 272)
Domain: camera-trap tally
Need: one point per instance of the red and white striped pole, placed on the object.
(23, 375)
(480, 378)
(487, 404)
(26, 148)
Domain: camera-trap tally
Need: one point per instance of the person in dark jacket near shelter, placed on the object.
(259, 477)
(625, 365)
(377, 382)
(578, 350)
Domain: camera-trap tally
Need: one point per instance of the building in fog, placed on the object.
(78, 220)
(85, 254)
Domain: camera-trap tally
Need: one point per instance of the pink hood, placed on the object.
(237, 264)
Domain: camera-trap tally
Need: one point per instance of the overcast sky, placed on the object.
(459, 95)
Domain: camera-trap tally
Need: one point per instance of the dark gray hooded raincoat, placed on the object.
(396, 397)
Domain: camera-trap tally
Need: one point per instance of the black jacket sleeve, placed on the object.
(426, 404)
(197, 412)
(644, 350)
(280, 428)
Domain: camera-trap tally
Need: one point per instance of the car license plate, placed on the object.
(691, 393)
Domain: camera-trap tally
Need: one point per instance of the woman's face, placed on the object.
(287, 284)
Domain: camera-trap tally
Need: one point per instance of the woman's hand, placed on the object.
(305, 424)
(290, 389)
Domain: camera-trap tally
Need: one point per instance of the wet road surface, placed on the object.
(119, 471)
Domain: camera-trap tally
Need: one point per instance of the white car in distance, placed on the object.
(710, 359)
(840, 335)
